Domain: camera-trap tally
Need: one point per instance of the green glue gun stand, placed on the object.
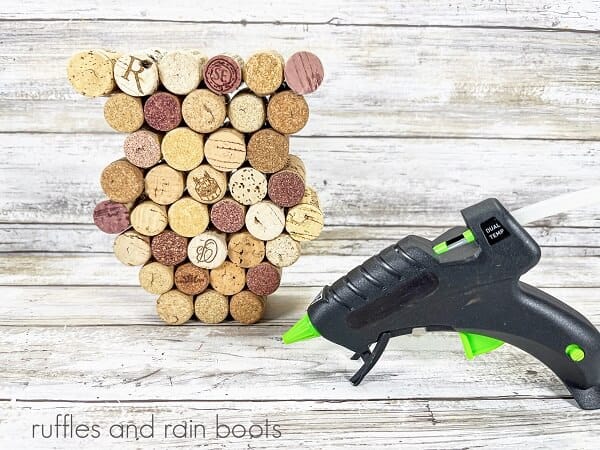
(466, 280)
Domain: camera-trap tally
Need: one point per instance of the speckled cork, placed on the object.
(169, 248)
(268, 150)
(247, 307)
(263, 72)
(228, 278)
(304, 222)
(188, 217)
(245, 250)
(111, 217)
(190, 279)
(283, 251)
(122, 182)
(265, 220)
(180, 71)
(225, 149)
(208, 250)
(149, 218)
(183, 149)
(211, 307)
(132, 249)
(287, 112)
(247, 112)
(162, 111)
(164, 185)
(204, 111)
(174, 307)
(156, 278)
(304, 72)
(263, 279)
(311, 197)
(91, 72)
(248, 186)
(223, 73)
(124, 113)
(227, 215)
(206, 184)
(142, 148)
(136, 74)
(286, 187)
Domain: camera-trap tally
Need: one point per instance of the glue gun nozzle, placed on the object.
(302, 330)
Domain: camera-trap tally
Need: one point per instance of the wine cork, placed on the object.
(156, 278)
(91, 73)
(180, 71)
(164, 185)
(228, 278)
(169, 248)
(111, 217)
(263, 279)
(208, 250)
(304, 72)
(149, 218)
(132, 248)
(247, 307)
(248, 186)
(225, 149)
(286, 187)
(247, 112)
(265, 220)
(304, 222)
(188, 217)
(204, 111)
(136, 75)
(162, 111)
(283, 251)
(174, 307)
(263, 72)
(142, 148)
(155, 54)
(124, 113)
(268, 150)
(206, 184)
(228, 216)
(245, 250)
(287, 112)
(211, 307)
(311, 197)
(183, 149)
(190, 279)
(223, 73)
(122, 182)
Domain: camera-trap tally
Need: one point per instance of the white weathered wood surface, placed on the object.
(427, 106)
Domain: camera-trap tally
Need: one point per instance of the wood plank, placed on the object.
(361, 181)
(440, 424)
(471, 82)
(130, 305)
(558, 268)
(338, 240)
(562, 14)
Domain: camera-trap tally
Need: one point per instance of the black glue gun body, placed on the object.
(465, 281)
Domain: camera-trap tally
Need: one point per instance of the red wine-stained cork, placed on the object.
(263, 279)
(124, 113)
(111, 217)
(245, 250)
(174, 307)
(227, 215)
(304, 72)
(190, 279)
(228, 278)
(223, 73)
(286, 187)
(122, 182)
(287, 112)
(162, 111)
(211, 307)
(142, 148)
(246, 307)
(169, 248)
(268, 150)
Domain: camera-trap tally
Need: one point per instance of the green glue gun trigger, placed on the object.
(466, 280)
